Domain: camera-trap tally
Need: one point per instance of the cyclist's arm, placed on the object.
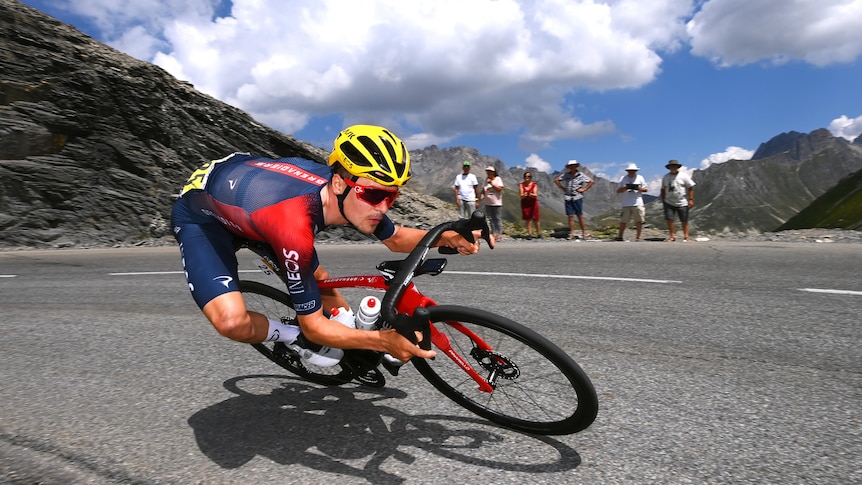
(404, 239)
(321, 330)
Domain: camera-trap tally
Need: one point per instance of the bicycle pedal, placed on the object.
(282, 350)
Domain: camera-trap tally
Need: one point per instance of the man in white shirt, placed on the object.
(677, 197)
(632, 186)
(466, 191)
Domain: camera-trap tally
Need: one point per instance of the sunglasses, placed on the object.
(372, 195)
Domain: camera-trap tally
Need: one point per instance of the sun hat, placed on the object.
(572, 162)
(672, 163)
(632, 166)
(490, 168)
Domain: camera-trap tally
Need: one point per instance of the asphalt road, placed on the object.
(714, 363)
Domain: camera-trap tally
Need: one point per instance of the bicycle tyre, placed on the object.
(276, 304)
(550, 395)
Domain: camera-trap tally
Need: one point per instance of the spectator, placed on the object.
(493, 198)
(677, 197)
(573, 184)
(466, 191)
(529, 192)
(632, 186)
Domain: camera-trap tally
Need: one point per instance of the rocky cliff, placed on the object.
(94, 144)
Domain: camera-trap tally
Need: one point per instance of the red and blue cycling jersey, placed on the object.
(244, 197)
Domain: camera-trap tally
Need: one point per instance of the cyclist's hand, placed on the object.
(456, 241)
(401, 348)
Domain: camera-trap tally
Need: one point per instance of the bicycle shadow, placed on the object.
(347, 430)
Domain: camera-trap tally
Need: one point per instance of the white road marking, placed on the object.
(8, 275)
(569, 277)
(835, 292)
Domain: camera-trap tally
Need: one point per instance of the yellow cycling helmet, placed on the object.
(372, 152)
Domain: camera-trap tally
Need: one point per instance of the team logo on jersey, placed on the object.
(225, 280)
(291, 170)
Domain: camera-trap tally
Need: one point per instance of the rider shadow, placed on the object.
(348, 431)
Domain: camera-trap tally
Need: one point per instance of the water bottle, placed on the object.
(343, 316)
(368, 313)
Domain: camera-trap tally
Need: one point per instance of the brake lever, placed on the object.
(465, 228)
(420, 321)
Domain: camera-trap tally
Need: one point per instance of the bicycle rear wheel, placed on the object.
(538, 387)
(276, 304)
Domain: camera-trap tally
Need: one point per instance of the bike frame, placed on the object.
(411, 299)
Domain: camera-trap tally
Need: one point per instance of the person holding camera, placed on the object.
(632, 186)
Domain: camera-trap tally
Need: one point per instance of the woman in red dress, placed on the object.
(529, 192)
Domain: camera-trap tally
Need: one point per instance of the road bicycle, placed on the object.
(488, 364)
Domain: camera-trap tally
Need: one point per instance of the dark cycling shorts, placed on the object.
(670, 210)
(208, 251)
(575, 207)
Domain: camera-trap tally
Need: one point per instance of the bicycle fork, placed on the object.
(419, 320)
(441, 341)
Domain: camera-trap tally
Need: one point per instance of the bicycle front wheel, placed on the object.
(537, 388)
(276, 304)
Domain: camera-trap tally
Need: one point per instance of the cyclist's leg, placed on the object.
(210, 265)
(228, 315)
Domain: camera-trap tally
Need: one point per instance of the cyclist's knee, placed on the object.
(231, 320)
(235, 327)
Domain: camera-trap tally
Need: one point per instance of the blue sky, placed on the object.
(534, 83)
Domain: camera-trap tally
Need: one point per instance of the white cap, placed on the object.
(632, 166)
(572, 162)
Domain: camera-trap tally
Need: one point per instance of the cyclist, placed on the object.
(284, 203)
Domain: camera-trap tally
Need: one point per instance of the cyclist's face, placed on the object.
(360, 207)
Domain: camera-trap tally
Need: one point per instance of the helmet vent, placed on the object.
(374, 149)
(354, 155)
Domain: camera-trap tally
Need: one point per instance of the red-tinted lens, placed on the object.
(372, 195)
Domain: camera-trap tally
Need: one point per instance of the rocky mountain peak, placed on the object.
(796, 146)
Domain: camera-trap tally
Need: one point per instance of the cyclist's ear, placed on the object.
(337, 183)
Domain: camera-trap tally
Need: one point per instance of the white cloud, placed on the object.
(421, 140)
(139, 43)
(537, 163)
(444, 68)
(115, 17)
(732, 153)
(847, 128)
(739, 32)
(448, 67)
